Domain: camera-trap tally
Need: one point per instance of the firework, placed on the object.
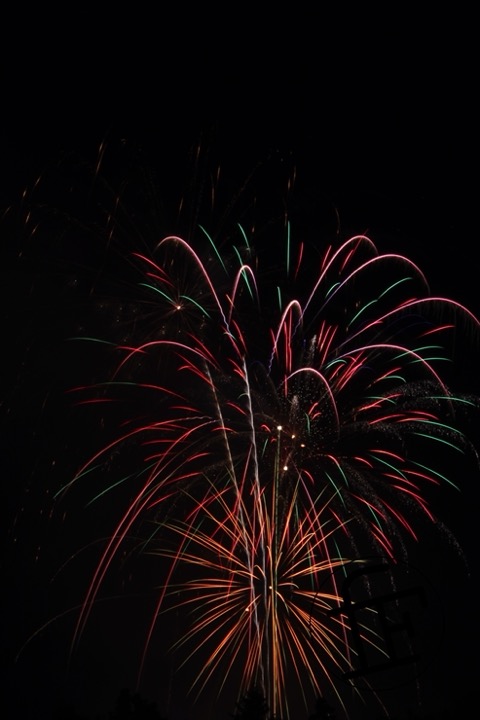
(286, 414)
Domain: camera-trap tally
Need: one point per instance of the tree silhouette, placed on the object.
(323, 710)
(252, 706)
(134, 707)
(66, 712)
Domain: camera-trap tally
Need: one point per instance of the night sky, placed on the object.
(378, 118)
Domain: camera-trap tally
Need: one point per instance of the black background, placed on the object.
(378, 113)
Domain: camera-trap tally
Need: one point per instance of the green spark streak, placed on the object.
(264, 447)
(422, 349)
(374, 302)
(449, 399)
(244, 274)
(194, 302)
(219, 257)
(440, 440)
(158, 291)
(171, 301)
(288, 248)
(381, 398)
(394, 285)
(393, 376)
(429, 470)
(337, 361)
(388, 465)
(332, 289)
(378, 521)
(307, 422)
(111, 487)
(70, 483)
(244, 235)
(337, 487)
(94, 340)
(362, 310)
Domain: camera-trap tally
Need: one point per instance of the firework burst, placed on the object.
(278, 411)
(292, 412)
